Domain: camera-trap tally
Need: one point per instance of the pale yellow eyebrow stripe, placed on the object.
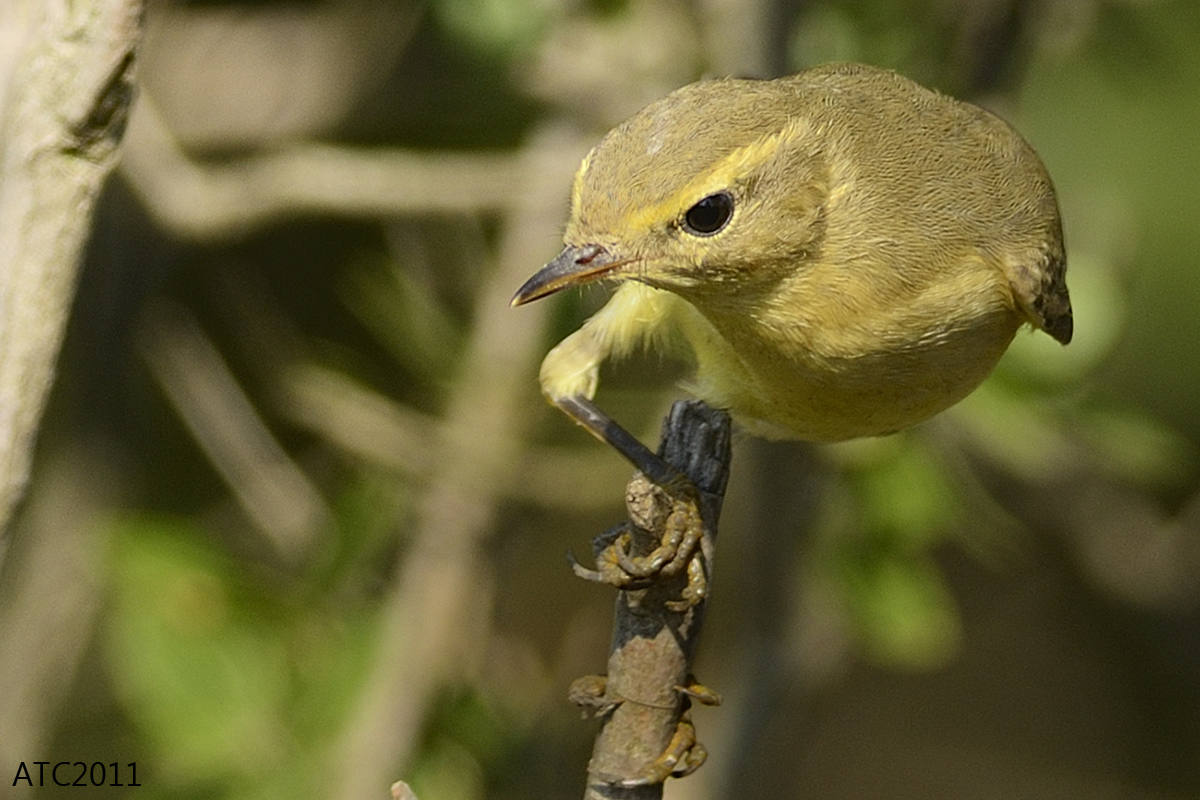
(722, 175)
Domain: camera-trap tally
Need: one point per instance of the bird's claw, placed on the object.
(591, 694)
(683, 754)
(675, 510)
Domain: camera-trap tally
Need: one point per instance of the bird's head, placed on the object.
(716, 186)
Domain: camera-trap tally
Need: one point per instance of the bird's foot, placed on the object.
(590, 693)
(673, 509)
(683, 754)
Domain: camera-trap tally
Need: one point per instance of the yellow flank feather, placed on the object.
(844, 252)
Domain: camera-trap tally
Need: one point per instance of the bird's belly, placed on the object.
(794, 394)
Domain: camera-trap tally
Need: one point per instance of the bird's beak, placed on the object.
(574, 266)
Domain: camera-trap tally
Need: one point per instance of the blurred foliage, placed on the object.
(234, 677)
(899, 503)
(500, 26)
(229, 668)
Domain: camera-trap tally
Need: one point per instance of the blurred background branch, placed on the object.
(66, 72)
(233, 196)
(283, 503)
(443, 585)
(64, 97)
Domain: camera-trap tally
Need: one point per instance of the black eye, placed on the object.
(709, 215)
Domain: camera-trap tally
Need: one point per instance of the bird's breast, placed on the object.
(803, 376)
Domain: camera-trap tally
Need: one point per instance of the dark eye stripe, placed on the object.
(709, 215)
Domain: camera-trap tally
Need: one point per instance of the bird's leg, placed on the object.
(587, 414)
(664, 500)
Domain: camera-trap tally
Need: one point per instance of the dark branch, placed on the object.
(655, 635)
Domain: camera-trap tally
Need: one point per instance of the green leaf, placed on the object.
(200, 679)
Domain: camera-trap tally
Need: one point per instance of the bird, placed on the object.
(842, 253)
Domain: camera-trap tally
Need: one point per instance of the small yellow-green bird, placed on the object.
(843, 252)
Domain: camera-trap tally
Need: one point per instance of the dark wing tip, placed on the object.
(1041, 291)
(1061, 327)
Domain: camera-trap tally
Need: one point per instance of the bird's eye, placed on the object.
(709, 215)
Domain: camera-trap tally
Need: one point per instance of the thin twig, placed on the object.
(654, 644)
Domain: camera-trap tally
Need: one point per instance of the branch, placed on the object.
(381, 431)
(436, 608)
(65, 107)
(203, 200)
(653, 644)
(270, 487)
